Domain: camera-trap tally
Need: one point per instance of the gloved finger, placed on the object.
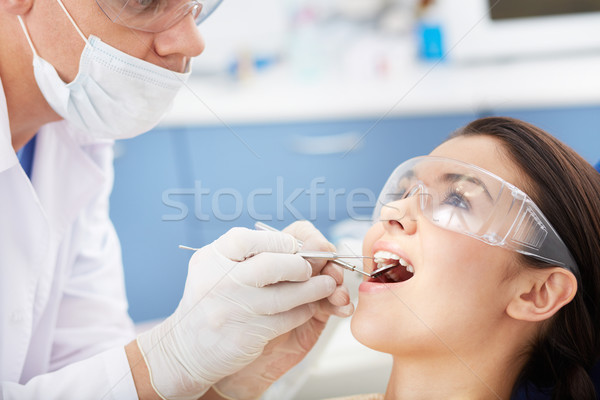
(239, 244)
(334, 271)
(307, 233)
(268, 268)
(287, 320)
(285, 296)
(340, 296)
(339, 311)
(313, 240)
(316, 265)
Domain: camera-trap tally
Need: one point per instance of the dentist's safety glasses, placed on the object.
(156, 15)
(470, 200)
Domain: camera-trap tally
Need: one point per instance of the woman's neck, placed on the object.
(453, 377)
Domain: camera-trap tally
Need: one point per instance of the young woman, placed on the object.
(494, 244)
(495, 238)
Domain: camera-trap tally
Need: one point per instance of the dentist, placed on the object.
(251, 308)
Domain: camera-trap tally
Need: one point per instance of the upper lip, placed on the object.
(392, 247)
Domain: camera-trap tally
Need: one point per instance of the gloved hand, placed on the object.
(242, 291)
(287, 350)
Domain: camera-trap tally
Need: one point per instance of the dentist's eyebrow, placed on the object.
(451, 178)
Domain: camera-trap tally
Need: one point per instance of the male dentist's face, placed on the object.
(57, 41)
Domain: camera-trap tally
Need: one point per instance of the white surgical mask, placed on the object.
(114, 95)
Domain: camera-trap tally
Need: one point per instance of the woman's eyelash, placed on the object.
(148, 4)
(457, 195)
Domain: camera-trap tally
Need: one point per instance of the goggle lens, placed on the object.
(156, 15)
(470, 200)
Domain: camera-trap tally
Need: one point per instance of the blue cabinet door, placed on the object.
(155, 270)
(322, 171)
(190, 185)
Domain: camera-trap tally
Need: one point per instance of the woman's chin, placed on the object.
(370, 330)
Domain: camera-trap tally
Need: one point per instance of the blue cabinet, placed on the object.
(189, 185)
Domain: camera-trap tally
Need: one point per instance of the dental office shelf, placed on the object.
(419, 89)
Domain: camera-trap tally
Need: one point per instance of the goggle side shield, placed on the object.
(467, 199)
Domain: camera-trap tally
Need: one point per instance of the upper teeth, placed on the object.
(382, 256)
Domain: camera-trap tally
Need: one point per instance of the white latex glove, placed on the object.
(287, 350)
(242, 291)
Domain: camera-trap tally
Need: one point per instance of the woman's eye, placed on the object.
(457, 200)
(400, 194)
(145, 4)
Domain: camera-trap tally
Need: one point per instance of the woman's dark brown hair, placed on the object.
(567, 190)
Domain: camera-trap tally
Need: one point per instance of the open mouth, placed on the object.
(401, 270)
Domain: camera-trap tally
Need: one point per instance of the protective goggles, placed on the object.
(156, 15)
(470, 200)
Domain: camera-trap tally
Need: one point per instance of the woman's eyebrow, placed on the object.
(460, 177)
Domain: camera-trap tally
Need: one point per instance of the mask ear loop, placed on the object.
(26, 31)
(27, 35)
(72, 21)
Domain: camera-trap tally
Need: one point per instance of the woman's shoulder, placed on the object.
(373, 396)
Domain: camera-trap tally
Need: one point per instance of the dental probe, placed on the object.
(381, 270)
(264, 227)
(328, 255)
(188, 248)
(323, 255)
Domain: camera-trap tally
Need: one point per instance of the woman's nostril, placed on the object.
(396, 224)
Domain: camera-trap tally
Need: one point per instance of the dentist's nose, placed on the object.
(400, 216)
(183, 38)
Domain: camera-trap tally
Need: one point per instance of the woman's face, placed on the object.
(457, 296)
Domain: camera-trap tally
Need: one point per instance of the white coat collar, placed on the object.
(64, 175)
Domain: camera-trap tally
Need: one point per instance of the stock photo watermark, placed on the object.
(273, 203)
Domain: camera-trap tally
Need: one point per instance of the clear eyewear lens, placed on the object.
(156, 15)
(470, 200)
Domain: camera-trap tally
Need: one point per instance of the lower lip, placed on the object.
(373, 287)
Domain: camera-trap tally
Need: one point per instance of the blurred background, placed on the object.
(300, 109)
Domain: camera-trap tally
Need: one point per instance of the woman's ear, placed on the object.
(541, 293)
(16, 7)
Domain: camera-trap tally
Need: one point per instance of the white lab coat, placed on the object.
(63, 310)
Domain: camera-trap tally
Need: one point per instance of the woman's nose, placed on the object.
(400, 216)
(183, 38)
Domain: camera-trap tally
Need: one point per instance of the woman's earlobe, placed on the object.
(543, 295)
(16, 7)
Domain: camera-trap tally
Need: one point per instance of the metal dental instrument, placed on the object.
(323, 255)
(382, 270)
(188, 248)
(327, 255)
(264, 227)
